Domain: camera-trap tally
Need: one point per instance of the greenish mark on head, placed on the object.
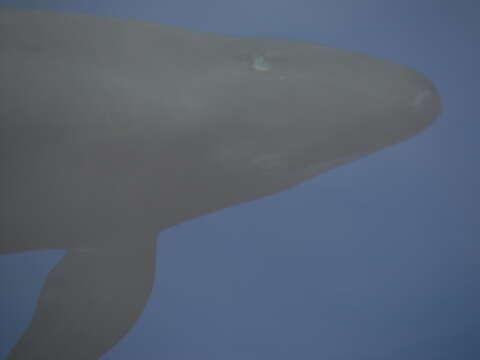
(260, 64)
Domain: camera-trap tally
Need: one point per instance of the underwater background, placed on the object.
(377, 259)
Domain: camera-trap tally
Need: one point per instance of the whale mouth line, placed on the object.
(318, 167)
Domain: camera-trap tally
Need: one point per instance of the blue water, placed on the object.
(377, 259)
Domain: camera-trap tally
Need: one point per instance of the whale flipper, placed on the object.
(90, 300)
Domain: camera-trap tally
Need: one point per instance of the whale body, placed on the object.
(112, 130)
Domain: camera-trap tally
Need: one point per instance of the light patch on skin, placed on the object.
(235, 158)
(260, 64)
(269, 162)
(421, 97)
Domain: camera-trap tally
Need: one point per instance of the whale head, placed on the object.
(276, 112)
(160, 125)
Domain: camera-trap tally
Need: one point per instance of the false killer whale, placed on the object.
(113, 130)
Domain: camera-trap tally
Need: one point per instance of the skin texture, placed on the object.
(113, 130)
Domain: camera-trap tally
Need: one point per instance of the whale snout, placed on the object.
(397, 102)
(362, 105)
(426, 103)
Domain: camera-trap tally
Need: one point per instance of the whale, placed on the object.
(113, 130)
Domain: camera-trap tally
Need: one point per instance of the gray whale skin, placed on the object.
(113, 130)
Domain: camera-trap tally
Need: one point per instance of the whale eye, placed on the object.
(259, 63)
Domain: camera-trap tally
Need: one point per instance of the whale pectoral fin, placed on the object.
(89, 301)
